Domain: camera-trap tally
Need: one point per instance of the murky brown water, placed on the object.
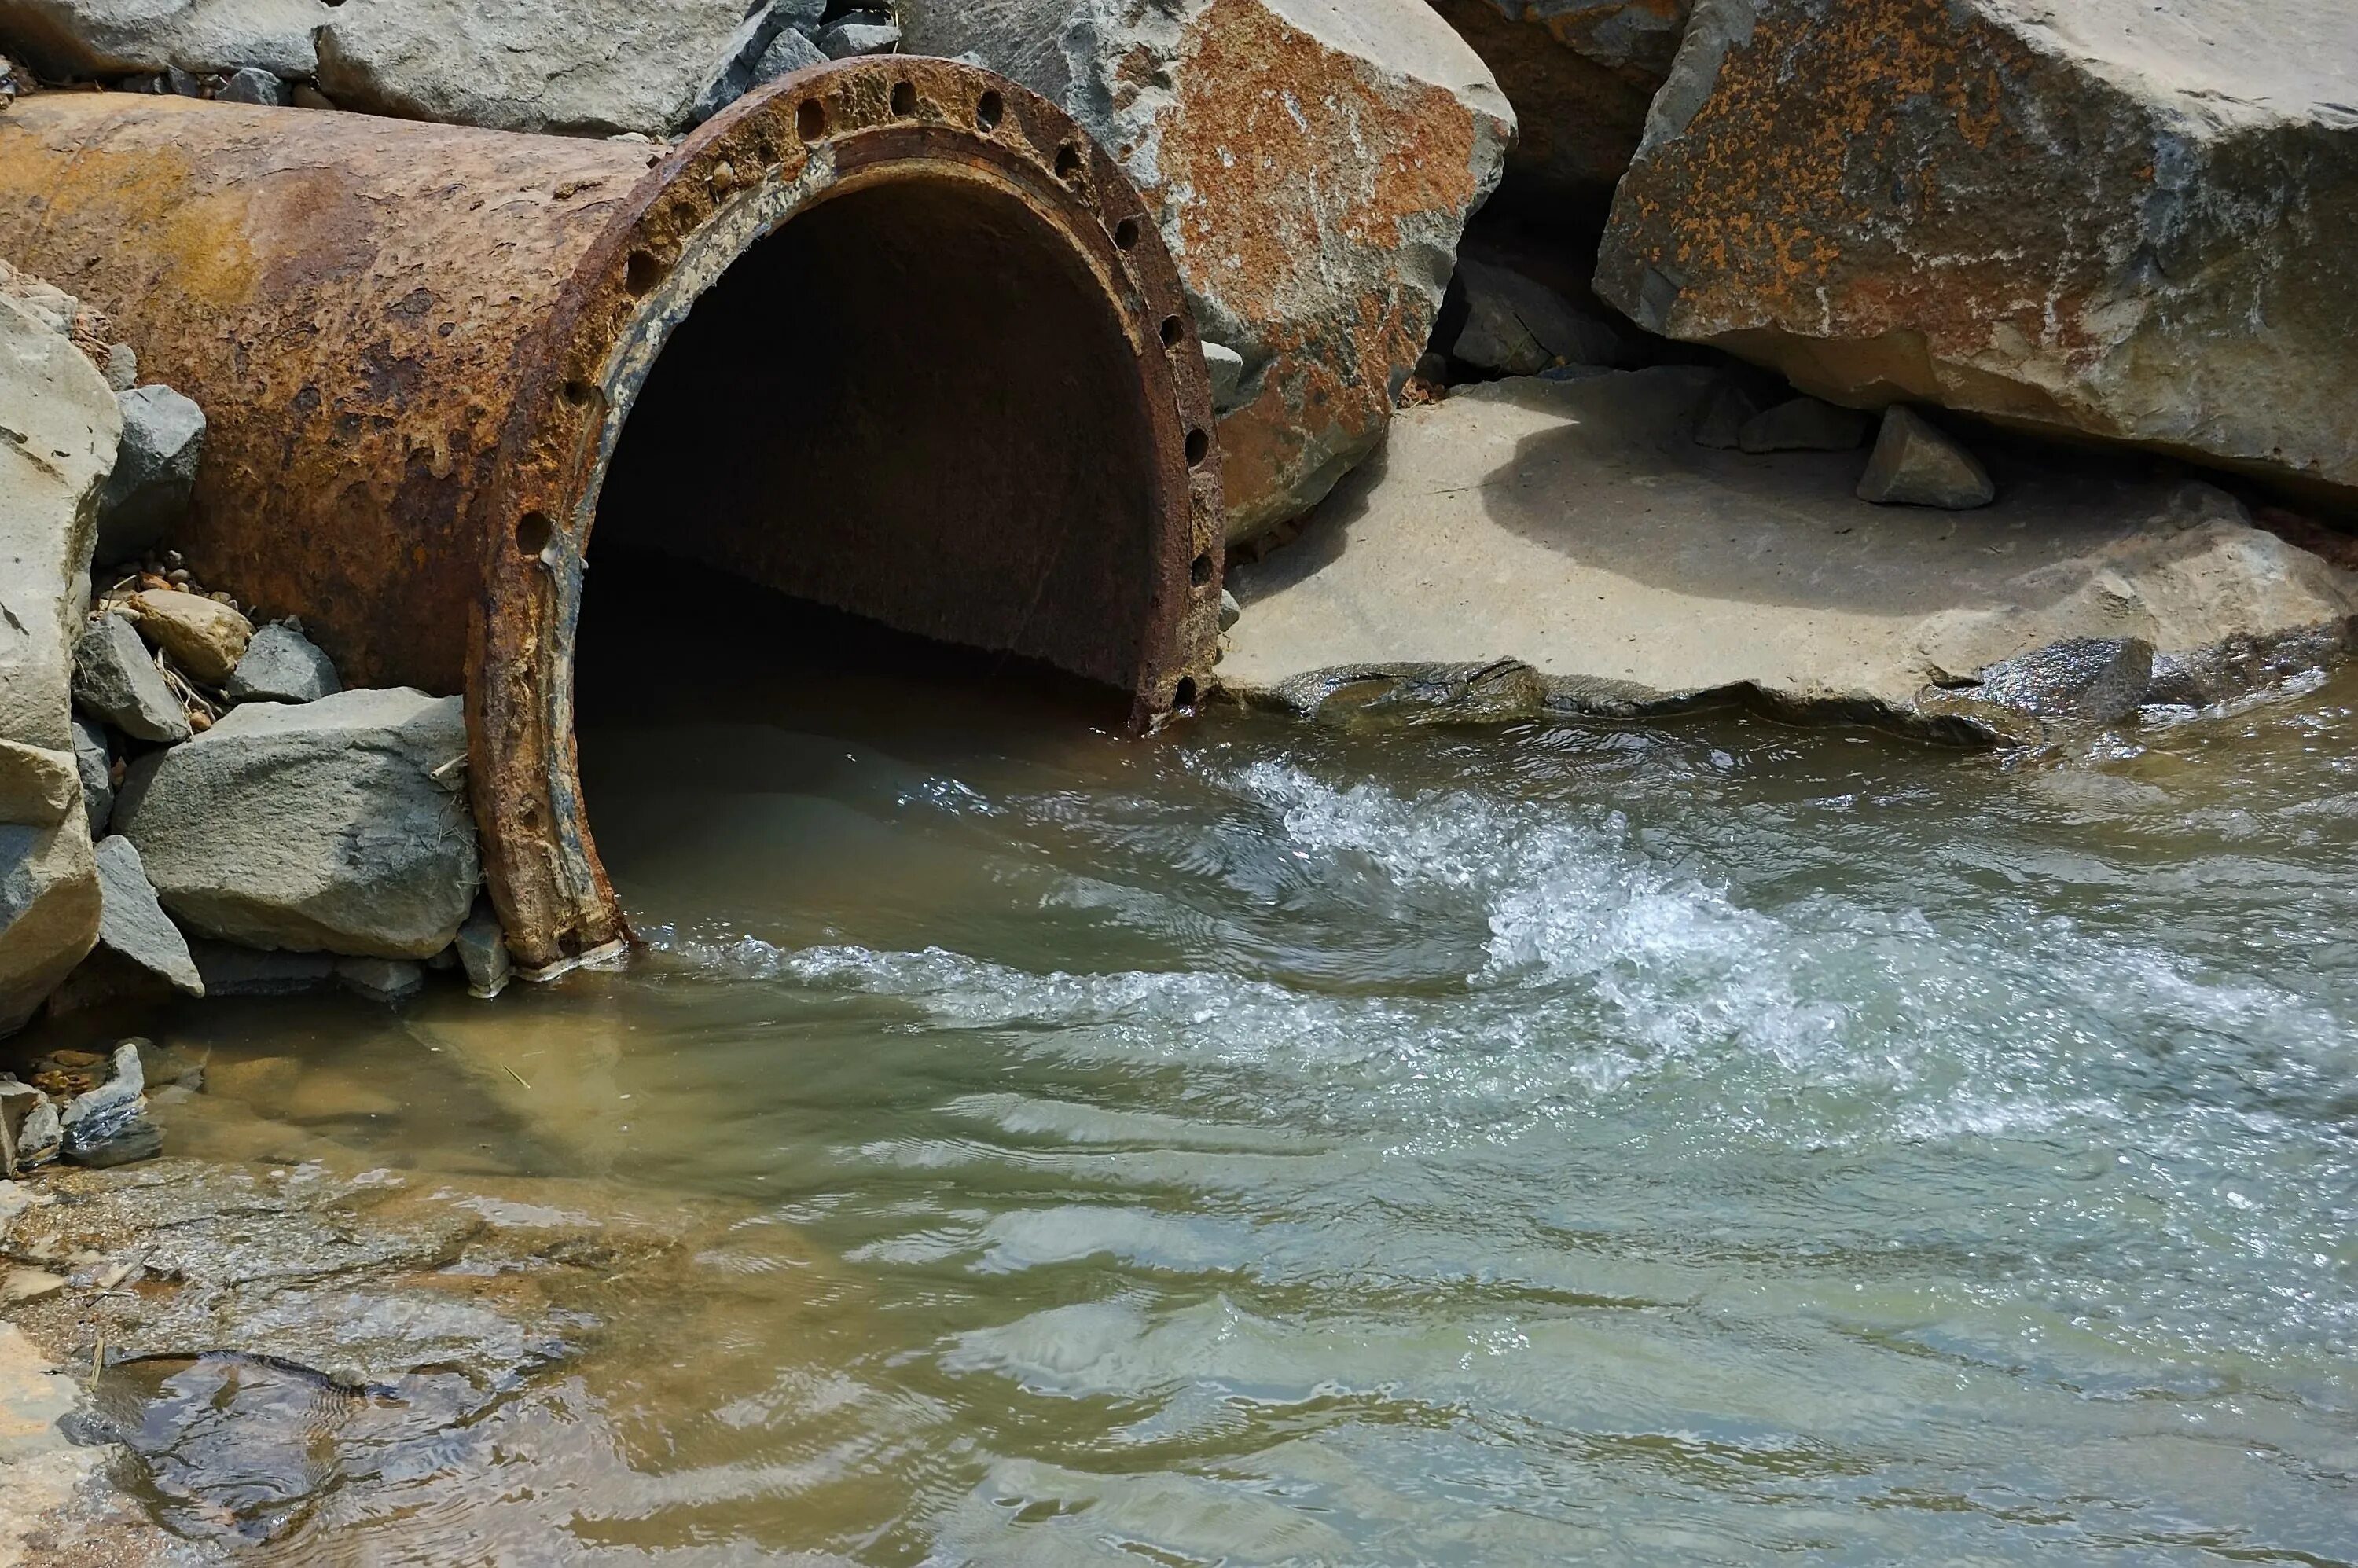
(1703, 1142)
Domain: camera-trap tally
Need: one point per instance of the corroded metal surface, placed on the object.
(420, 346)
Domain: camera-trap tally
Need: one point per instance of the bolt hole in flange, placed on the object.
(904, 99)
(810, 120)
(1199, 446)
(1175, 332)
(1199, 571)
(641, 274)
(533, 532)
(988, 110)
(1069, 164)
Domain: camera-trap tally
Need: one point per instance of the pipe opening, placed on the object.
(911, 408)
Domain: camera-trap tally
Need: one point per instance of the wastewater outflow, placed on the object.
(1695, 1142)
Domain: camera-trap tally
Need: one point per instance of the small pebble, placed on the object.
(177, 574)
(199, 720)
(174, 559)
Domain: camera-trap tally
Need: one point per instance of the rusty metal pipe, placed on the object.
(939, 372)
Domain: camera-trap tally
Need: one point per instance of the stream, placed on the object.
(1703, 1141)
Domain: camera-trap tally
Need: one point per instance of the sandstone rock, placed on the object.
(1312, 165)
(58, 430)
(1540, 547)
(2127, 219)
(132, 923)
(38, 787)
(340, 825)
(206, 638)
(94, 761)
(281, 665)
(115, 681)
(1518, 326)
(592, 66)
(1915, 464)
(1581, 75)
(1803, 424)
(482, 949)
(87, 38)
(155, 472)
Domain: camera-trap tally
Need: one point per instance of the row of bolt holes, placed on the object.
(642, 272)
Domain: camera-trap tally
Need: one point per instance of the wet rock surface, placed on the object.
(1535, 547)
(2119, 217)
(340, 825)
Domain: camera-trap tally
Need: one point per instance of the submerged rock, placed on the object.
(108, 1126)
(340, 825)
(381, 979)
(2113, 218)
(1915, 464)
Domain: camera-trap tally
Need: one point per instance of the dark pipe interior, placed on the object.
(911, 402)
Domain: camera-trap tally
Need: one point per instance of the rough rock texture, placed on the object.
(337, 826)
(1314, 162)
(1581, 75)
(58, 430)
(1517, 326)
(155, 472)
(483, 950)
(1568, 547)
(114, 680)
(206, 638)
(86, 39)
(132, 924)
(598, 66)
(2132, 219)
(281, 665)
(94, 761)
(1918, 464)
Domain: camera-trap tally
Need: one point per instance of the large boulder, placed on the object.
(2127, 219)
(1312, 166)
(601, 66)
(86, 39)
(337, 826)
(58, 430)
(1581, 75)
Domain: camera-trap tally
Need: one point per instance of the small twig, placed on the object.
(512, 1073)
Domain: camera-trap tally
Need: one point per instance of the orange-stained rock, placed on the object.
(2126, 219)
(1314, 163)
(1581, 75)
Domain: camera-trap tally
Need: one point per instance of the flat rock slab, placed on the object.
(1578, 529)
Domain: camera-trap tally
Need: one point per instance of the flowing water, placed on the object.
(1697, 1142)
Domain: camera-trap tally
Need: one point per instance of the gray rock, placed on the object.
(281, 665)
(229, 969)
(2096, 680)
(1803, 424)
(250, 85)
(1230, 610)
(1516, 325)
(1227, 368)
(790, 51)
(83, 39)
(122, 367)
(172, 81)
(593, 67)
(482, 948)
(147, 495)
(95, 764)
(1730, 409)
(1916, 464)
(381, 979)
(109, 1126)
(114, 680)
(861, 33)
(132, 924)
(62, 427)
(29, 1131)
(340, 825)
